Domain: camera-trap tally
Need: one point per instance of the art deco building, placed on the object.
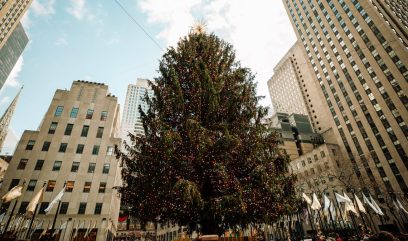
(74, 144)
(358, 55)
(131, 121)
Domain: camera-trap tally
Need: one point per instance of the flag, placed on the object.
(45, 230)
(359, 204)
(315, 204)
(401, 207)
(14, 193)
(366, 201)
(350, 207)
(90, 230)
(342, 199)
(307, 199)
(79, 226)
(376, 205)
(87, 230)
(56, 200)
(33, 203)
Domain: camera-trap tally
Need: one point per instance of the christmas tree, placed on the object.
(206, 160)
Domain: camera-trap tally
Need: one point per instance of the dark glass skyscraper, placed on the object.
(11, 51)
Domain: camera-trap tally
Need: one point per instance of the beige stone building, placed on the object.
(11, 12)
(74, 144)
(358, 55)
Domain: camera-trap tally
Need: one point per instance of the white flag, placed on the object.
(90, 229)
(350, 207)
(45, 230)
(342, 199)
(79, 226)
(307, 199)
(359, 204)
(366, 201)
(33, 203)
(87, 230)
(401, 207)
(315, 204)
(14, 193)
(376, 206)
(56, 200)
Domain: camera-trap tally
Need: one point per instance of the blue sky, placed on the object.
(96, 41)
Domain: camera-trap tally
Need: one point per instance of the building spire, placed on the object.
(6, 118)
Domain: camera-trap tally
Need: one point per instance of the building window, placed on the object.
(14, 182)
(22, 165)
(85, 130)
(89, 114)
(98, 208)
(70, 186)
(30, 145)
(46, 146)
(104, 115)
(322, 154)
(80, 149)
(315, 157)
(106, 168)
(334, 152)
(82, 208)
(99, 133)
(95, 150)
(53, 127)
(87, 186)
(91, 167)
(57, 166)
(38, 165)
(75, 167)
(31, 185)
(59, 110)
(68, 129)
(102, 187)
(50, 186)
(64, 207)
(63, 147)
(109, 151)
(74, 112)
(23, 207)
(43, 206)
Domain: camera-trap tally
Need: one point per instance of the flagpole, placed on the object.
(301, 226)
(32, 218)
(359, 211)
(338, 207)
(58, 207)
(9, 219)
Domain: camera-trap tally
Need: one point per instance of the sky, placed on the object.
(95, 40)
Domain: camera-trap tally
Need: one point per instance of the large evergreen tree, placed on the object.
(206, 158)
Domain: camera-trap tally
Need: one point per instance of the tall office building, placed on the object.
(11, 12)
(74, 144)
(293, 89)
(131, 121)
(5, 120)
(359, 62)
(11, 51)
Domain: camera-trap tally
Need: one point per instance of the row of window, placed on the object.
(63, 208)
(70, 127)
(57, 166)
(75, 110)
(63, 148)
(51, 185)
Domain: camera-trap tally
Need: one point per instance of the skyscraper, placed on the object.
(11, 51)
(74, 144)
(131, 121)
(359, 62)
(11, 12)
(293, 89)
(6, 118)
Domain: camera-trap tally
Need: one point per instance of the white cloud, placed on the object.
(259, 30)
(12, 79)
(61, 41)
(79, 10)
(43, 7)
